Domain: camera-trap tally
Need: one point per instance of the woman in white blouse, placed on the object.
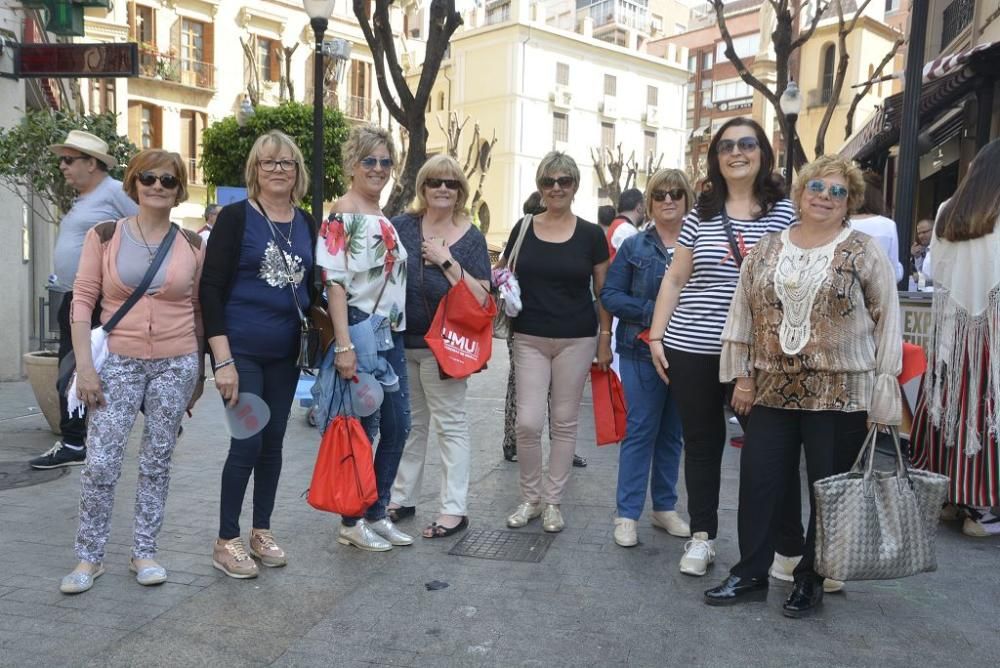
(871, 219)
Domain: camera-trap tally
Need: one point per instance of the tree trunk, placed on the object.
(416, 154)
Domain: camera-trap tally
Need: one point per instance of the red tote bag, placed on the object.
(343, 480)
(461, 334)
(609, 406)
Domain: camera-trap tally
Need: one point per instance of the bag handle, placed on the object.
(512, 257)
(868, 449)
(140, 290)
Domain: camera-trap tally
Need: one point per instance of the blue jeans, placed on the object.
(653, 436)
(273, 381)
(391, 424)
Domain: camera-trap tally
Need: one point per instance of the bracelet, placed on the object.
(605, 333)
(741, 389)
(343, 349)
(224, 363)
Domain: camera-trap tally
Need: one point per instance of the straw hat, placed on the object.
(88, 144)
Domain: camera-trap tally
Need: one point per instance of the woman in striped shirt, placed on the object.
(742, 201)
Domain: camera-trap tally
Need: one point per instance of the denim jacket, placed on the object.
(631, 286)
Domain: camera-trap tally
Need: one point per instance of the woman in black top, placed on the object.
(260, 250)
(554, 335)
(437, 229)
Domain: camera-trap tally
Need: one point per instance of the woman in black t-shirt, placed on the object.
(554, 340)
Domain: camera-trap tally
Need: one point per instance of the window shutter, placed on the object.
(133, 31)
(209, 41)
(157, 127)
(175, 37)
(277, 55)
(135, 123)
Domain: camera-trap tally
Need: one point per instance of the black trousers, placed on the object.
(74, 429)
(770, 458)
(701, 399)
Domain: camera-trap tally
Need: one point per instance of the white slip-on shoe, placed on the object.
(671, 522)
(625, 532)
(78, 582)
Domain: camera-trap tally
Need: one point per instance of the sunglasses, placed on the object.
(450, 184)
(745, 144)
(370, 162)
(283, 165)
(168, 181)
(835, 190)
(676, 194)
(563, 181)
(70, 159)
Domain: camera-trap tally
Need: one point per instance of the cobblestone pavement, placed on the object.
(588, 602)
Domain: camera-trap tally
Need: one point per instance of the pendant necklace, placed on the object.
(150, 251)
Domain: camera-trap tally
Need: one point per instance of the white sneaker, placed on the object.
(671, 522)
(361, 536)
(783, 568)
(625, 532)
(699, 552)
(983, 523)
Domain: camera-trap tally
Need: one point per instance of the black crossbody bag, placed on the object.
(728, 226)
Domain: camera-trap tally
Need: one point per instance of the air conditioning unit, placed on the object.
(561, 97)
(609, 106)
(652, 115)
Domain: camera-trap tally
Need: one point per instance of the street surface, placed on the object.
(588, 603)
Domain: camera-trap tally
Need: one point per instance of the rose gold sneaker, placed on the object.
(263, 547)
(230, 557)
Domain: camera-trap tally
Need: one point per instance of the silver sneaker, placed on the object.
(78, 582)
(524, 513)
(385, 528)
(148, 576)
(361, 536)
(552, 519)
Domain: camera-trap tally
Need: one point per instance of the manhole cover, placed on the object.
(503, 545)
(19, 474)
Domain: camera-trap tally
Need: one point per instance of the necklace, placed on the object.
(291, 225)
(150, 251)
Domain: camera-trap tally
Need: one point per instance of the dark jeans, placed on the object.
(391, 424)
(701, 399)
(770, 458)
(273, 381)
(74, 429)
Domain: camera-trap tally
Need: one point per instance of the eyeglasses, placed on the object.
(563, 181)
(370, 162)
(70, 159)
(283, 165)
(450, 184)
(745, 144)
(676, 194)
(168, 181)
(835, 190)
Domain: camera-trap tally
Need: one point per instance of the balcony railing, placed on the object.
(954, 19)
(497, 11)
(194, 172)
(356, 107)
(168, 67)
(625, 13)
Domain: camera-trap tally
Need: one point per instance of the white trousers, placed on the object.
(440, 403)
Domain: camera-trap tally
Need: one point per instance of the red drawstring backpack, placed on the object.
(461, 334)
(343, 480)
(609, 406)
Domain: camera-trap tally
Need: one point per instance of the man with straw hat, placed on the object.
(84, 161)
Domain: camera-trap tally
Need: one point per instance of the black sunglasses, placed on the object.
(745, 144)
(676, 194)
(450, 184)
(370, 162)
(70, 159)
(563, 181)
(168, 181)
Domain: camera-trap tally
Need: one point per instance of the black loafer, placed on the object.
(737, 590)
(806, 596)
(401, 513)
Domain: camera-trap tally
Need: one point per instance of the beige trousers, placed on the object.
(540, 364)
(440, 403)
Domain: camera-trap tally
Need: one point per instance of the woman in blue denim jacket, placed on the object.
(653, 435)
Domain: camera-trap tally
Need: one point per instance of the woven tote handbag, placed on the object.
(877, 525)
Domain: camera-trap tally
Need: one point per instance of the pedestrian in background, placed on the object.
(84, 162)
(814, 345)
(554, 342)
(653, 436)
(870, 218)
(365, 270)
(605, 214)
(742, 202)
(211, 214)
(155, 369)
(957, 419)
(261, 251)
(631, 215)
(437, 229)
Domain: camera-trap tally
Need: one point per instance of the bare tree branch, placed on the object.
(741, 68)
(876, 75)
(804, 36)
(379, 57)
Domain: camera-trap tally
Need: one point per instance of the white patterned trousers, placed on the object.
(161, 388)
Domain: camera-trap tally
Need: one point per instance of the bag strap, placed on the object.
(728, 226)
(515, 251)
(147, 278)
(281, 254)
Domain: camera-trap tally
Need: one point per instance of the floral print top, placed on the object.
(362, 254)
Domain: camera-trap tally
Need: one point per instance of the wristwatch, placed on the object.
(446, 265)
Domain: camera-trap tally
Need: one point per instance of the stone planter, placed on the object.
(42, 367)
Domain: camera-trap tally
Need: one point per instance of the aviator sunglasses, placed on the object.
(745, 144)
(835, 190)
(370, 162)
(168, 181)
(563, 181)
(676, 194)
(450, 184)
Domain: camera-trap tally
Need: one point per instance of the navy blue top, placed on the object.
(426, 285)
(261, 317)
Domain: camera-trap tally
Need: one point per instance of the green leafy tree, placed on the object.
(225, 145)
(29, 170)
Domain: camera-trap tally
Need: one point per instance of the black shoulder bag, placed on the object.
(728, 226)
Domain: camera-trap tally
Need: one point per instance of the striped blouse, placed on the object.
(696, 325)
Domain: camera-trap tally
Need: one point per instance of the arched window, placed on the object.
(826, 77)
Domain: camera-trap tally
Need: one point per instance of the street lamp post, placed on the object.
(791, 104)
(319, 16)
